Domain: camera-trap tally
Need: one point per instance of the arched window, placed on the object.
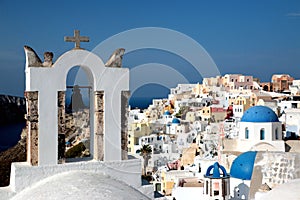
(276, 134)
(262, 134)
(246, 133)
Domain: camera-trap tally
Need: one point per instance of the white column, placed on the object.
(112, 126)
(48, 135)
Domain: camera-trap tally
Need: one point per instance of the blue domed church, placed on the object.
(260, 130)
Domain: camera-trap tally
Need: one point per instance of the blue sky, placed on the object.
(250, 37)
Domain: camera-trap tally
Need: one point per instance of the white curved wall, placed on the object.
(49, 80)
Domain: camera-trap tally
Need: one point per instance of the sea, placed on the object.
(140, 102)
(10, 135)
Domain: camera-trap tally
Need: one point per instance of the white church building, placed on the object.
(260, 129)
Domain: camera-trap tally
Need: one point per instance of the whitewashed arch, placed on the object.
(49, 80)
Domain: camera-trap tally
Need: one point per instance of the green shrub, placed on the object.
(75, 151)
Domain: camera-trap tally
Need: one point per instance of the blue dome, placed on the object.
(242, 166)
(175, 121)
(259, 114)
(216, 167)
(167, 113)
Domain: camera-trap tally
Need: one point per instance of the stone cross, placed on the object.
(77, 39)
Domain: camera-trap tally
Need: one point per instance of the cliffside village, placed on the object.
(226, 119)
(231, 137)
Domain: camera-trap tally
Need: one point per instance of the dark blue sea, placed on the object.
(140, 102)
(10, 135)
(136, 102)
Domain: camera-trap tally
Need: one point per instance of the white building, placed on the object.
(181, 88)
(260, 129)
(167, 117)
(292, 102)
(231, 127)
(176, 127)
(136, 116)
(295, 87)
(184, 140)
(291, 119)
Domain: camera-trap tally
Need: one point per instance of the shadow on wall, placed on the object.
(287, 147)
(241, 192)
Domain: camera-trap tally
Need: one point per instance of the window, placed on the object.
(276, 134)
(246, 133)
(224, 188)
(216, 189)
(262, 134)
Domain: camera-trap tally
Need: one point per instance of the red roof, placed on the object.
(216, 109)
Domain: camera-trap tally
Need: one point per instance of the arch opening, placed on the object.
(262, 134)
(276, 134)
(246, 133)
(75, 137)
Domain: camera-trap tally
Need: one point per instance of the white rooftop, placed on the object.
(288, 190)
(80, 185)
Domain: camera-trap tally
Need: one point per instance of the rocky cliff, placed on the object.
(16, 153)
(12, 109)
(77, 133)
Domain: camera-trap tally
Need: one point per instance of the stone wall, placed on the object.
(61, 112)
(32, 125)
(99, 126)
(32, 118)
(61, 124)
(279, 167)
(274, 168)
(124, 124)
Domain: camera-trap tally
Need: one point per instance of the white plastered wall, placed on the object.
(254, 142)
(254, 130)
(49, 80)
